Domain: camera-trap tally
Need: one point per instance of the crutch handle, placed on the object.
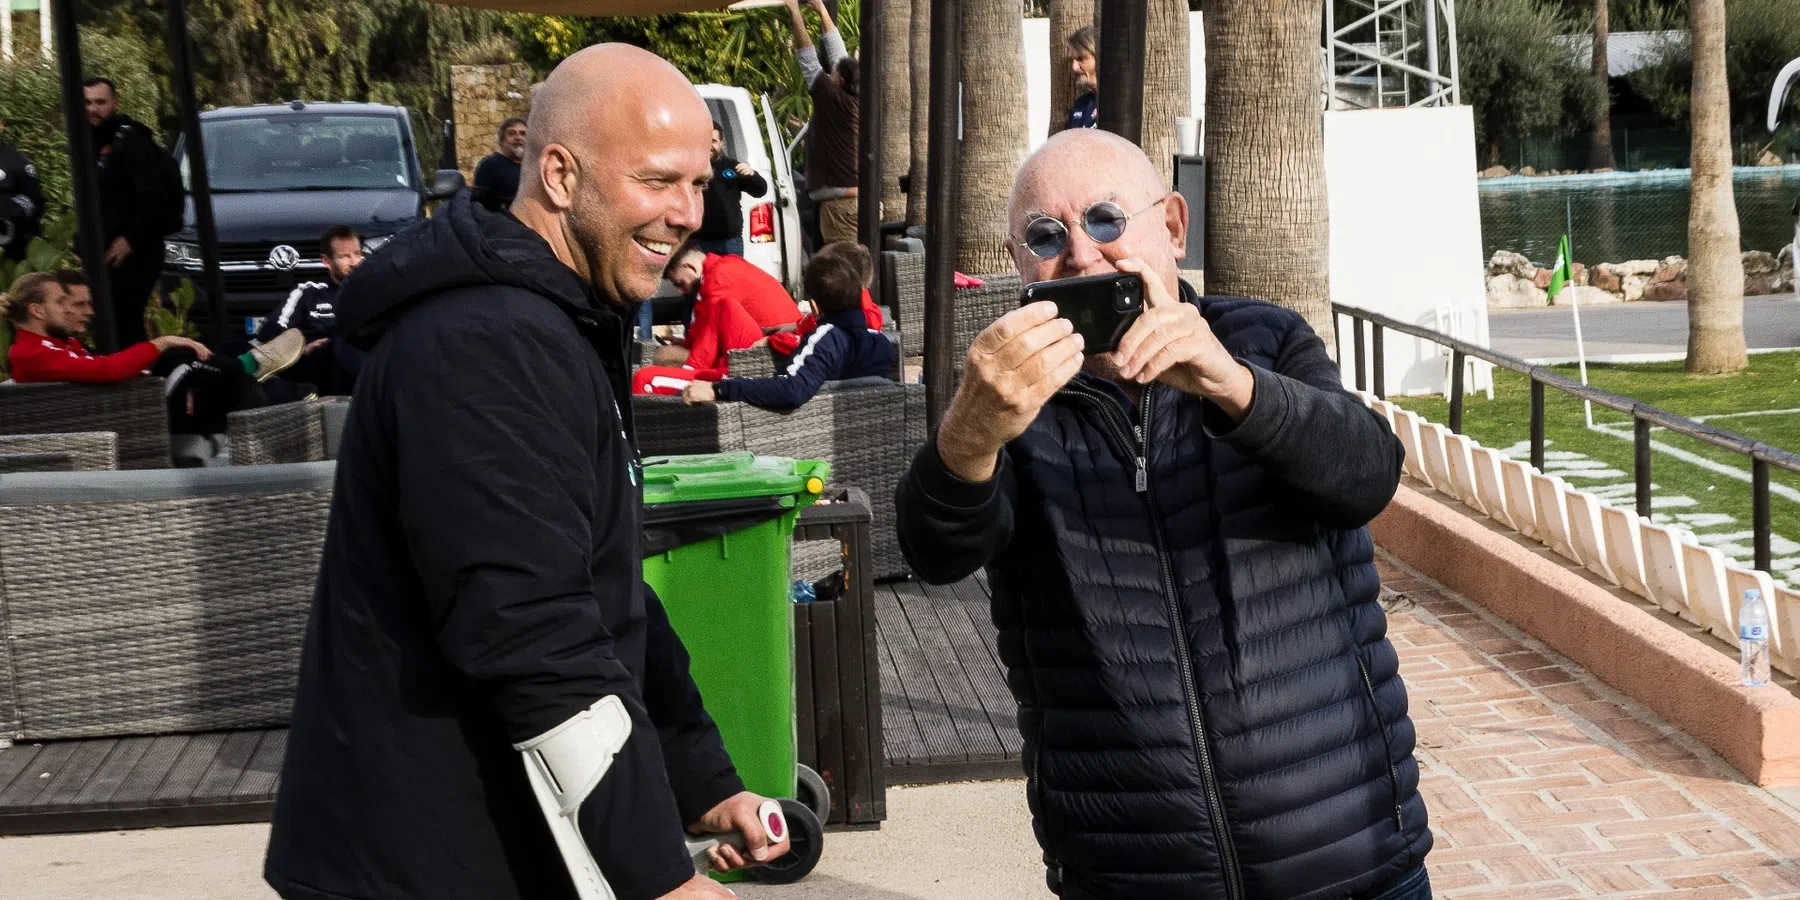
(775, 828)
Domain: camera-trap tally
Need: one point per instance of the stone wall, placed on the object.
(482, 97)
(1514, 282)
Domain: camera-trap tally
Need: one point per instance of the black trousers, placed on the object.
(200, 394)
(131, 283)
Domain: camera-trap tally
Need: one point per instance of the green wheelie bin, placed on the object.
(718, 534)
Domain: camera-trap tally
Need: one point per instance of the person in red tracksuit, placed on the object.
(737, 303)
(695, 271)
(48, 309)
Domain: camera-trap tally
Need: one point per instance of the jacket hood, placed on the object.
(464, 245)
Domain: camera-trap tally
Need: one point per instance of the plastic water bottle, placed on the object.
(1753, 639)
(804, 593)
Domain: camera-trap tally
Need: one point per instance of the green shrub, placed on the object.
(1516, 75)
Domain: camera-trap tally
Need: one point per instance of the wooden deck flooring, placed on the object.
(946, 716)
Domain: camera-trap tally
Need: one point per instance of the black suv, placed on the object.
(283, 174)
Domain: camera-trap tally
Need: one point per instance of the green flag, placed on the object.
(1561, 275)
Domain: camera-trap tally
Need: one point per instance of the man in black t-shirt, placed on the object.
(135, 206)
(722, 230)
(497, 178)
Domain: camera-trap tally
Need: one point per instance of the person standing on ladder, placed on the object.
(831, 137)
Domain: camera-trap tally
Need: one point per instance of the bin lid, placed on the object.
(731, 476)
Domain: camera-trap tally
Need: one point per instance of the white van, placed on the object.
(772, 238)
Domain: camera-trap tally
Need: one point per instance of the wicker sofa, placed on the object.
(135, 411)
(867, 428)
(153, 602)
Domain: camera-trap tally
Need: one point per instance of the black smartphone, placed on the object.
(1102, 307)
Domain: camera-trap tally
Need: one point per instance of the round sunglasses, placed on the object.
(1047, 237)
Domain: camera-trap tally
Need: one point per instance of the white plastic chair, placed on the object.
(1431, 447)
(1664, 577)
(1784, 611)
(1548, 495)
(1490, 489)
(1624, 549)
(1708, 597)
(1516, 477)
(1406, 427)
(1586, 534)
(1449, 320)
(1459, 461)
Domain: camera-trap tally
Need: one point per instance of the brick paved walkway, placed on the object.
(1544, 783)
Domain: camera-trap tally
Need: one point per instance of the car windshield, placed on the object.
(304, 152)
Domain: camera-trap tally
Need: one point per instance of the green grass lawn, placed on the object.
(1771, 383)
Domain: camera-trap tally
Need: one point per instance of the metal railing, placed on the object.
(1371, 366)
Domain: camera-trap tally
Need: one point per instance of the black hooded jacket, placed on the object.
(1187, 612)
(481, 584)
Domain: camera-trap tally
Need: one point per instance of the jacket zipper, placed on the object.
(1387, 744)
(1134, 439)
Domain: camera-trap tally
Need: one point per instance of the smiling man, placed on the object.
(480, 610)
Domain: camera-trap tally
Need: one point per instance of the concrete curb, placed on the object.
(1639, 652)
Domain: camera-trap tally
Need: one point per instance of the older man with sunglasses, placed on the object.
(1185, 592)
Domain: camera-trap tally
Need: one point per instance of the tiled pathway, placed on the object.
(1544, 783)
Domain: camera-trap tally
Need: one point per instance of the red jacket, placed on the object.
(720, 325)
(786, 342)
(755, 290)
(35, 357)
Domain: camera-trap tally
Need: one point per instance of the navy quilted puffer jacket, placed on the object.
(1260, 751)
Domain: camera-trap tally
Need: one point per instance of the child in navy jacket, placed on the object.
(843, 346)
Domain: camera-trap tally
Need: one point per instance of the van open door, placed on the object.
(787, 204)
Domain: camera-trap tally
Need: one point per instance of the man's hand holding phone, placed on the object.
(1172, 343)
(1013, 369)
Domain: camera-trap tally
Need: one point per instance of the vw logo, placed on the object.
(284, 257)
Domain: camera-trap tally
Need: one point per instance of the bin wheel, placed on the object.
(812, 791)
(807, 838)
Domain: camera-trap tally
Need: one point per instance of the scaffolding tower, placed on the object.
(1391, 53)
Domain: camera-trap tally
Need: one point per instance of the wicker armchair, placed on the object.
(302, 431)
(40, 461)
(87, 451)
(977, 308)
(757, 362)
(136, 411)
(98, 647)
(903, 284)
(861, 427)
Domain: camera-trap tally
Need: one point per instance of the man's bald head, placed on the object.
(618, 152)
(1078, 168)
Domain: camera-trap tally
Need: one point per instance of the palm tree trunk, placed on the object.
(896, 105)
(1715, 269)
(1266, 234)
(1168, 89)
(920, 81)
(1600, 155)
(993, 117)
(1066, 18)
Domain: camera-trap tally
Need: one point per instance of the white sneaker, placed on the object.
(279, 354)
